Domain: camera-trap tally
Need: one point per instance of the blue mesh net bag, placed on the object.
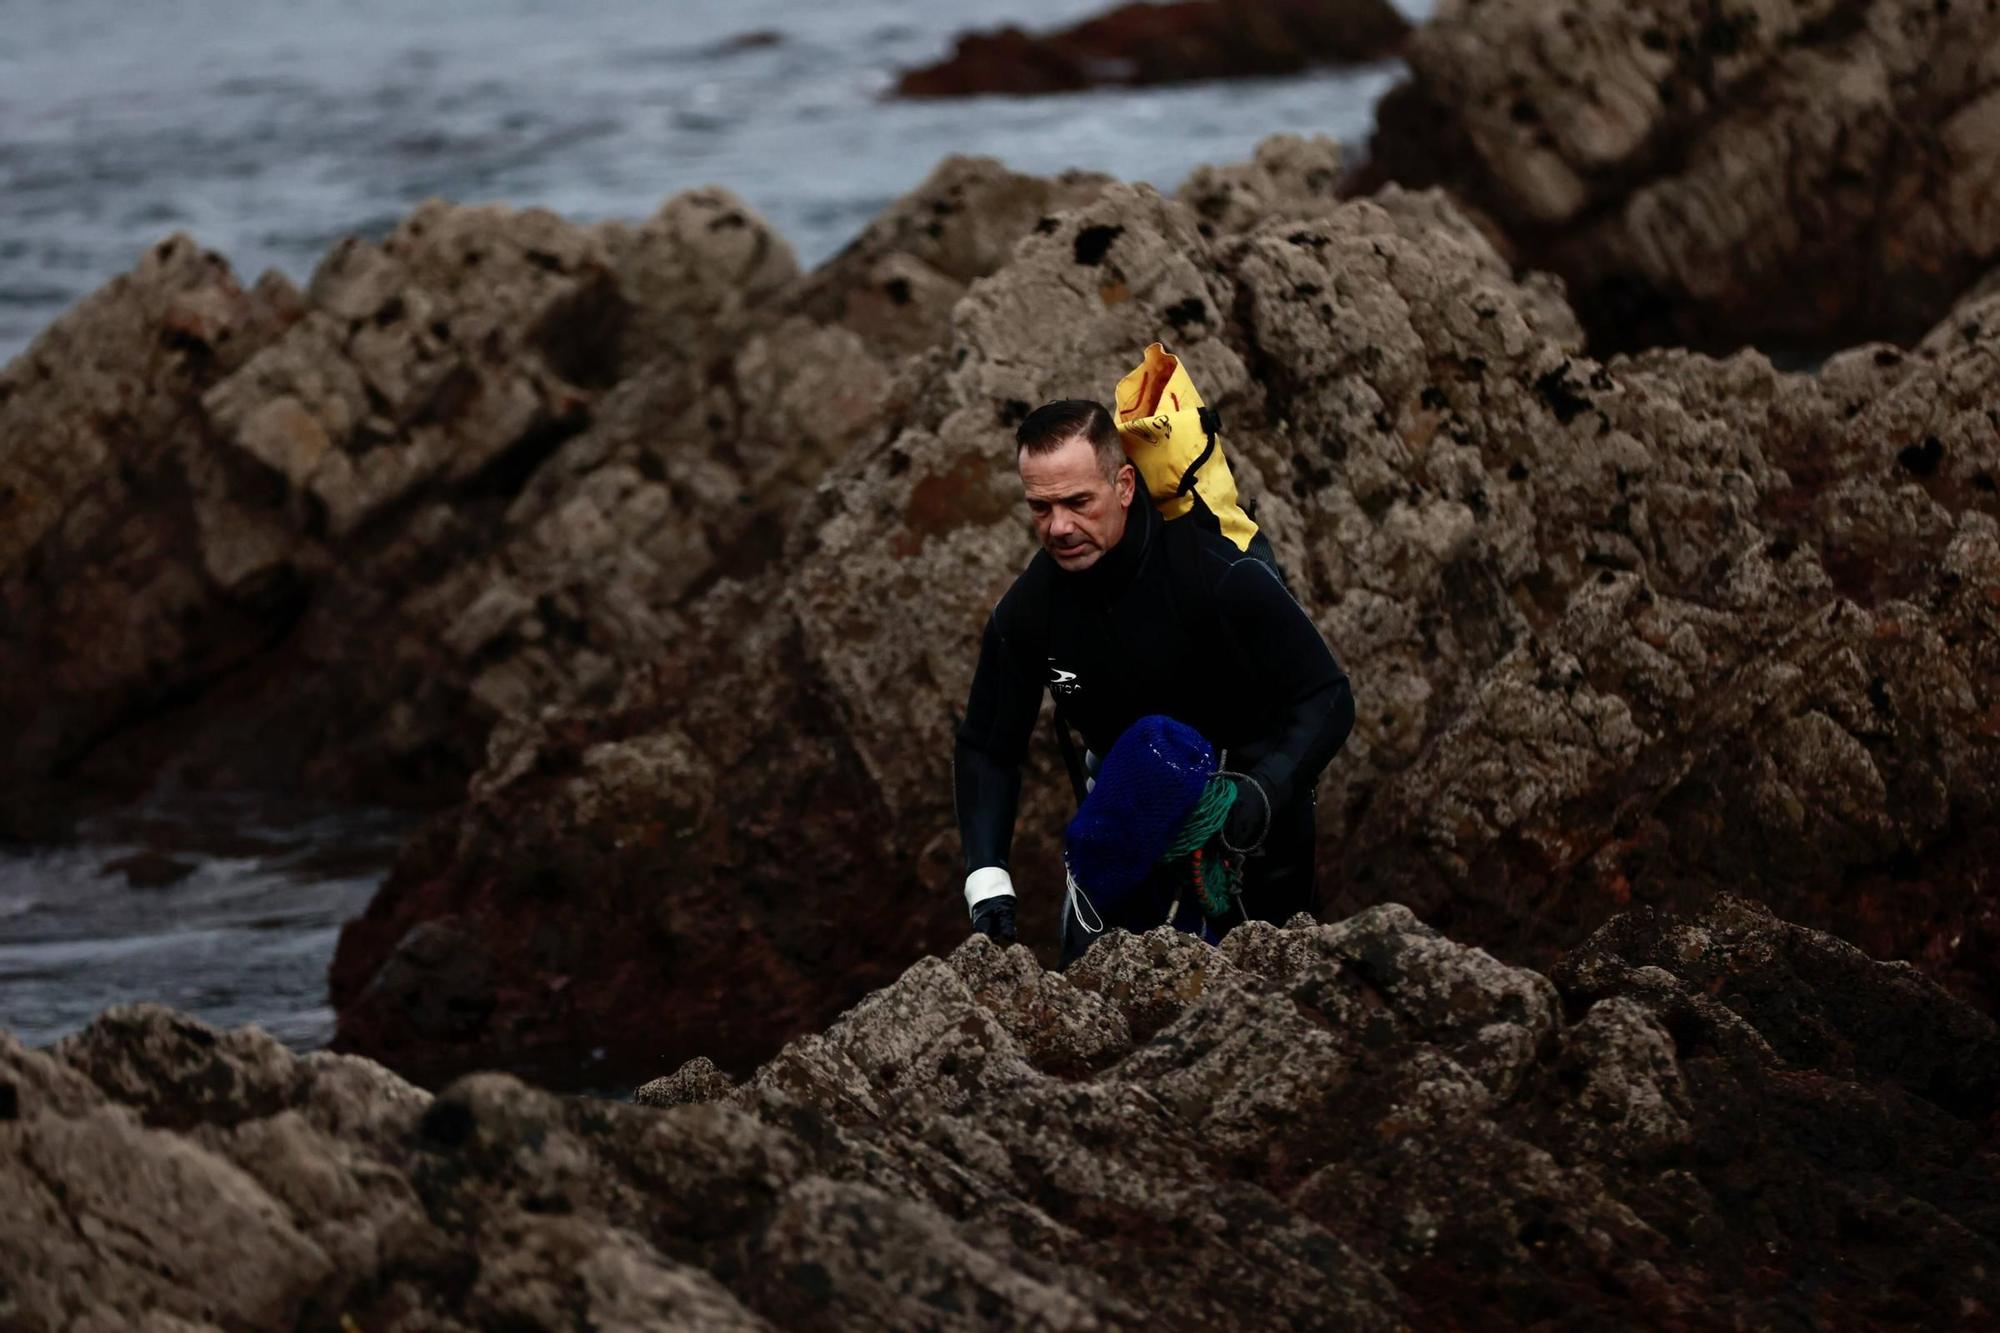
(1145, 788)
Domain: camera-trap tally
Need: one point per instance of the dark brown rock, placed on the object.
(105, 569)
(1313, 1134)
(279, 468)
(1142, 44)
(1798, 175)
(1587, 606)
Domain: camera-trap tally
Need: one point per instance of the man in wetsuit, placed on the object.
(1121, 615)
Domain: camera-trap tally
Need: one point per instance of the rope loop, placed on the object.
(1263, 796)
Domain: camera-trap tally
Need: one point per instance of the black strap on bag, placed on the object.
(1072, 756)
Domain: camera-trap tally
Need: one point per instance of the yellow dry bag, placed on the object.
(1176, 443)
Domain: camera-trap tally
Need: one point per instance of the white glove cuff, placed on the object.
(987, 882)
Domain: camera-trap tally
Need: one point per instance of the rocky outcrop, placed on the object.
(509, 446)
(1795, 174)
(104, 580)
(257, 474)
(1150, 43)
(895, 283)
(1622, 632)
(694, 612)
(1288, 176)
(1363, 1125)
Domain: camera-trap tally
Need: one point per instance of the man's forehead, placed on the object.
(1064, 471)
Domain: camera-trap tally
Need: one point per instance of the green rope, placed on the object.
(1216, 879)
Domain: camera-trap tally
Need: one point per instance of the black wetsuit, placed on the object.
(1173, 620)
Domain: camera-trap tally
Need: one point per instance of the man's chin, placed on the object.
(1081, 558)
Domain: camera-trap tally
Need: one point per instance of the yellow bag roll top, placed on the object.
(1175, 441)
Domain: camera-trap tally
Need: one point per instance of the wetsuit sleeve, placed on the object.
(992, 744)
(1283, 652)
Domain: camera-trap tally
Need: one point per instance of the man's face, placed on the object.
(1079, 512)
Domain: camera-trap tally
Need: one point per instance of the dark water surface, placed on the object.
(244, 936)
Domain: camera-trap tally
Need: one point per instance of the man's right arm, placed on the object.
(986, 761)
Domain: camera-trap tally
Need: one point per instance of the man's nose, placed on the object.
(1061, 524)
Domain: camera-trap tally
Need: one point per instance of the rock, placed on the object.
(1144, 44)
(860, 1258)
(559, 1270)
(1634, 631)
(108, 605)
(1063, 1028)
(111, 1222)
(694, 1082)
(695, 272)
(1149, 979)
(896, 282)
(1632, 1100)
(35, 1083)
(1564, 587)
(1290, 176)
(1816, 1000)
(353, 454)
(179, 1073)
(1798, 175)
(1275, 1152)
(1491, 1018)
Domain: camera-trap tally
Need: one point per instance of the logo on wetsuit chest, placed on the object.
(1063, 684)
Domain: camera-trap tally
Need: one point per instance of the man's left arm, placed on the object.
(1286, 655)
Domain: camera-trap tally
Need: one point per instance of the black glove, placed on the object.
(1249, 820)
(994, 919)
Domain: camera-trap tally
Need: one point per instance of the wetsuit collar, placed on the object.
(1116, 568)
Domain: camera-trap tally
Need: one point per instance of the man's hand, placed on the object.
(1249, 820)
(994, 919)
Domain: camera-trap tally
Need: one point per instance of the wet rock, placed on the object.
(440, 980)
(1143, 44)
(1799, 174)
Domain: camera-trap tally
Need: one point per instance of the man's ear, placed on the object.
(1128, 482)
